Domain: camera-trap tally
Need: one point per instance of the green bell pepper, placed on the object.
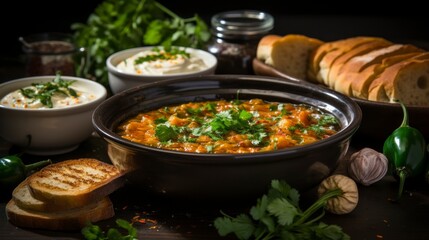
(13, 170)
(405, 148)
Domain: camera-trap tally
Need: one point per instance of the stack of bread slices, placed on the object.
(370, 68)
(65, 196)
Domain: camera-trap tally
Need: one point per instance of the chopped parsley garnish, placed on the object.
(163, 54)
(239, 121)
(45, 91)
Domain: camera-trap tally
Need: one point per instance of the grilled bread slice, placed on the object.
(22, 197)
(73, 219)
(75, 183)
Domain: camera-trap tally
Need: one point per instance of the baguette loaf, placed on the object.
(73, 219)
(75, 183)
(288, 54)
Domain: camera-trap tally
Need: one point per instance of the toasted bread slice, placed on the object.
(22, 197)
(73, 219)
(74, 183)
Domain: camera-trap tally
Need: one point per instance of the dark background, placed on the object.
(403, 22)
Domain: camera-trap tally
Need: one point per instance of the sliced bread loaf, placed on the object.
(360, 84)
(407, 81)
(290, 54)
(341, 47)
(356, 84)
(73, 219)
(75, 183)
(338, 63)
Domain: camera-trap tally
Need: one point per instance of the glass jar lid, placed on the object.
(246, 23)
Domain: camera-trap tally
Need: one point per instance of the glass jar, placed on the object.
(47, 53)
(235, 37)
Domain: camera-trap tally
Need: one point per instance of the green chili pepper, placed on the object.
(13, 170)
(405, 149)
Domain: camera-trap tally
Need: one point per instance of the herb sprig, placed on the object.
(121, 24)
(277, 215)
(45, 91)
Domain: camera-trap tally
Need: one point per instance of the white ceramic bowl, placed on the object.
(52, 131)
(119, 80)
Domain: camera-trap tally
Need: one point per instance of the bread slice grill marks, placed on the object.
(406, 80)
(75, 183)
(326, 54)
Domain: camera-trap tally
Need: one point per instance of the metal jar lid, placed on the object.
(244, 23)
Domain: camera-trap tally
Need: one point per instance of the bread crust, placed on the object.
(265, 46)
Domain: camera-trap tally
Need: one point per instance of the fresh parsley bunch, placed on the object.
(277, 215)
(116, 25)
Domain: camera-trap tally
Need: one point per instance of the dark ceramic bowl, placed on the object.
(184, 174)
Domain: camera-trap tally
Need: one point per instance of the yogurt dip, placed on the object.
(66, 96)
(159, 61)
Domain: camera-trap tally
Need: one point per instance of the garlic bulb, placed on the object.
(349, 198)
(367, 166)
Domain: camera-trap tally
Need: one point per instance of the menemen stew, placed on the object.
(236, 126)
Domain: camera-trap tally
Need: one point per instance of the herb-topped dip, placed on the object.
(236, 126)
(57, 93)
(162, 61)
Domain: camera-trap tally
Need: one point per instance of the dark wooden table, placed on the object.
(161, 218)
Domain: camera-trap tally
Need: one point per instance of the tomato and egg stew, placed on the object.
(236, 126)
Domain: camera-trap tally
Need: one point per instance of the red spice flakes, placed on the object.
(141, 220)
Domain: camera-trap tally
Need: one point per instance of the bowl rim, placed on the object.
(346, 132)
(131, 51)
(100, 89)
